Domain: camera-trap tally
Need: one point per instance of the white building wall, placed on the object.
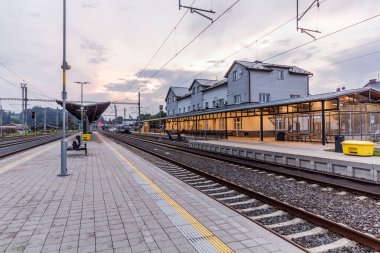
(268, 82)
(184, 103)
(217, 93)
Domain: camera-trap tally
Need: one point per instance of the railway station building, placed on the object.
(270, 102)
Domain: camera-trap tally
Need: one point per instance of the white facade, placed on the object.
(184, 104)
(215, 96)
(247, 82)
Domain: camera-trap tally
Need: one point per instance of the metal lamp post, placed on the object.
(81, 104)
(64, 67)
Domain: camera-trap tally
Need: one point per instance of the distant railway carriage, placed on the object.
(123, 129)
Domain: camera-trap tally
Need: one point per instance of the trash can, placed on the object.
(280, 136)
(338, 143)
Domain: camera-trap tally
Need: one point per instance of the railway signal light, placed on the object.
(33, 115)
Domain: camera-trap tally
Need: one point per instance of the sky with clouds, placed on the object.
(109, 44)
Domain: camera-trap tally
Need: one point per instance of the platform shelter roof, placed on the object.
(92, 111)
(374, 93)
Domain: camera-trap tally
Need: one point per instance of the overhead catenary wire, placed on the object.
(243, 48)
(165, 40)
(37, 92)
(289, 50)
(323, 37)
(193, 39)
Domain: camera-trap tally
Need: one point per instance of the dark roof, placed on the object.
(217, 84)
(310, 98)
(92, 111)
(261, 66)
(178, 91)
(203, 82)
(373, 83)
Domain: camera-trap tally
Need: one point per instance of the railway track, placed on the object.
(20, 140)
(354, 185)
(309, 231)
(11, 147)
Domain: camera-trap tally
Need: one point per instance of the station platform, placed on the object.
(114, 201)
(309, 156)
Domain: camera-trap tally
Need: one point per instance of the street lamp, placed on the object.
(64, 67)
(81, 104)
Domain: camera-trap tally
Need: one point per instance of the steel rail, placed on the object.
(363, 238)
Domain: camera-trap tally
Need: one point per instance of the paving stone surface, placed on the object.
(102, 207)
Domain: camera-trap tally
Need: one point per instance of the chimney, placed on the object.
(372, 81)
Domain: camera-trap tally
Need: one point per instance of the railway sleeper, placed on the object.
(265, 206)
(269, 215)
(341, 243)
(286, 223)
(221, 193)
(314, 231)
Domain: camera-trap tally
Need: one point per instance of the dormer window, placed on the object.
(237, 74)
(193, 91)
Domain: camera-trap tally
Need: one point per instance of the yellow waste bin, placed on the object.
(86, 137)
(359, 148)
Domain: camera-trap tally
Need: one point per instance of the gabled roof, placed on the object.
(178, 91)
(203, 82)
(373, 83)
(261, 66)
(217, 84)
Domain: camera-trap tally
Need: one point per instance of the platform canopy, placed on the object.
(92, 111)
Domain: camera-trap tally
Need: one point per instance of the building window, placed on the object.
(237, 99)
(295, 96)
(193, 91)
(264, 97)
(188, 108)
(184, 109)
(222, 124)
(193, 107)
(199, 106)
(214, 103)
(221, 102)
(236, 75)
(280, 124)
(206, 105)
(237, 123)
(174, 99)
(173, 111)
(198, 89)
(168, 100)
(280, 74)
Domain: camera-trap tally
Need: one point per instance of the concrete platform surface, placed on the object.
(296, 148)
(114, 201)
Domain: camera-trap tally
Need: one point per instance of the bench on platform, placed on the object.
(78, 146)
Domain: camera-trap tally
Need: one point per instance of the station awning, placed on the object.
(92, 111)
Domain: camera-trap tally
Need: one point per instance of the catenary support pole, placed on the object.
(1, 120)
(22, 105)
(323, 124)
(64, 96)
(261, 126)
(26, 107)
(139, 103)
(45, 120)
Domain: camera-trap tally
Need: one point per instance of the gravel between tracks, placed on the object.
(363, 215)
